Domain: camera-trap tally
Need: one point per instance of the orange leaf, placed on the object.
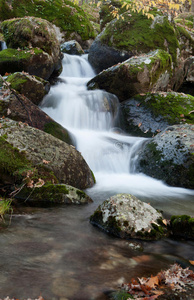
(46, 162)
(153, 281)
(191, 262)
(139, 125)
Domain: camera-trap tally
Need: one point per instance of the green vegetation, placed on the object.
(5, 207)
(63, 13)
(58, 131)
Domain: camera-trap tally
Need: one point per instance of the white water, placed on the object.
(110, 155)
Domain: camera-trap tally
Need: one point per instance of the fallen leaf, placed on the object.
(153, 281)
(139, 125)
(191, 262)
(46, 162)
(8, 111)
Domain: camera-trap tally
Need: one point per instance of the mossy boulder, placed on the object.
(33, 87)
(169, 156)
(106, 11)
(26, 150)
(53, 194)
(30, 32)
(142, 74)
(146, 115)
(182, 227)
(133, 34)
(19, 108)
(125, 216)
(72, 47)
(33, 61)
(66, 15)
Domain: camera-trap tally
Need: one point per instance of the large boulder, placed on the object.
(125, 216)
(133, 34)
(30, 32)
(66, 15)
(34, 88)
(182, 227)
(146, 115)
(27, 153)
(146, 73)
(19, 108)
(169, 156)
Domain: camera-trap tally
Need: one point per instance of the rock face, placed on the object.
(32, 34)
(66, 15)
(24, 155)
(53, 194)
(145, 115)
(125, 216)
(19, 108)
(143, 74)
(169, 156)
(72, 47)
(133, 34)
(34, 88)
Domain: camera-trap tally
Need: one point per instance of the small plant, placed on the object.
(5, 207)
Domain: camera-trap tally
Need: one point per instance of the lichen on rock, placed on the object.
(125, 216)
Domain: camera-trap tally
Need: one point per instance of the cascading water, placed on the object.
(90, 116)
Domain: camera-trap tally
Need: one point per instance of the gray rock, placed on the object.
(72, 47)
(28, 154)
(146, 115)
(169, 156)
(125, 216)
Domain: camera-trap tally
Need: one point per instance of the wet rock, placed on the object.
(169, 156)
(37, 47)
(182, 226)
(125, 216)
(19, 108)
(72, 47)
(53, 194)
(34, 88)
(131, 35)
(29, 154)
(146, 115)
(143, 74)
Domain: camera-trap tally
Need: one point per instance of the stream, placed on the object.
(55, 252)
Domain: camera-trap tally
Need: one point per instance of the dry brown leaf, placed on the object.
(153, 281)
(191, 262)
(46, 162)
(139, 125)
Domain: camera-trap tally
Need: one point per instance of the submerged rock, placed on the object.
(53, 194)
(146, 115)
(142, 74)
(169, 156)
(182, 226)
(27, 153)
(34, 88)
(125, 216)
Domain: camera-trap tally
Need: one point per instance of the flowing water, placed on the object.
(55, 251)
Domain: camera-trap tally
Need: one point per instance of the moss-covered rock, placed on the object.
(182, 226)
(66, 15)
(146, 115)
(169, 156)
(53, 194)
(133, 34)
(142, 74)
(34, 88)
(19, 108)
(30, 32)
(125, 216)
(30, 149)
(106, 11)
(33, 61)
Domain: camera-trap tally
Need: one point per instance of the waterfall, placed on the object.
(91, 117)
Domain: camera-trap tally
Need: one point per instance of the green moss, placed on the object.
(58, 131)
(185, 36)
(13, 60)
(63, 13)
(182, 226)
(175, 108)
(16, 81)
(134, 34)
(121, 295)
